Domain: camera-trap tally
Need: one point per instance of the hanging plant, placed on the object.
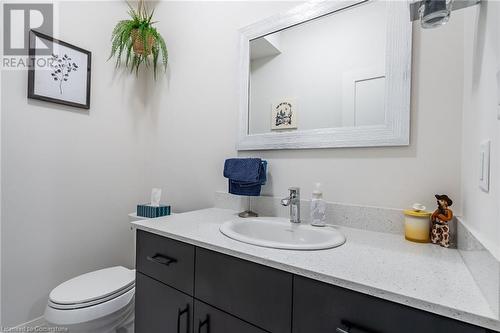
(138, 41)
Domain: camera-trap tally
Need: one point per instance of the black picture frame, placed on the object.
(32, 71)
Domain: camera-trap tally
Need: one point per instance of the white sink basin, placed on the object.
(280, 233)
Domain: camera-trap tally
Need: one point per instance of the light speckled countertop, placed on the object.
(422, 276)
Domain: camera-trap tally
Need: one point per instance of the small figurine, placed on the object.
(440, 232)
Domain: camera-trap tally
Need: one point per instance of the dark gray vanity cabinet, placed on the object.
(160, 308)
(165, 297)
(181, 288)
(208, 319)
(258, 294)
(320, 307)
(166, 260)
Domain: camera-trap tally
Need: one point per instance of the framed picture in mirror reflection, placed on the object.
(284, 114)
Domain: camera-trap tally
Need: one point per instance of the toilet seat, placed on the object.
(106, 312)
(80, 305)
(91, 296)
(92, 288)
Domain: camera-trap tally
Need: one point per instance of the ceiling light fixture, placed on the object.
(435, 13)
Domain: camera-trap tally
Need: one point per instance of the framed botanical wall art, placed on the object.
(284, 114)
(63, 76)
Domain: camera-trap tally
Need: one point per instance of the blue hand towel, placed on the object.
(243, 169)
(246, 175)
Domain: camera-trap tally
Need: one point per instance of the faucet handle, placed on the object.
(294, 192)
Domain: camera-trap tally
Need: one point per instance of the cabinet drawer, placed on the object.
(257, 294)
(210, 320)
(322, 308)
(166, 260)
(159, 308)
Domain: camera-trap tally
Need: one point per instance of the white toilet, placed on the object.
(95, 302)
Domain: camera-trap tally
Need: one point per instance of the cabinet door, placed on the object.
(323, 308)
(257, 294)
(160, 308)
(210, 320)
(166, 260)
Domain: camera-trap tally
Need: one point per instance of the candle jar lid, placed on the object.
(416, 213)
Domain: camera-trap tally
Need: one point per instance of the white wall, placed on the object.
(1, 96)
(80, 173)
(69, 177)
(481, 63)
(197, 127)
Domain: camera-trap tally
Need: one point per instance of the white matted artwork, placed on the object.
(284, 114)
(62, 77)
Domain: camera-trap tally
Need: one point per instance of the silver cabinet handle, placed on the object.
(341, 330)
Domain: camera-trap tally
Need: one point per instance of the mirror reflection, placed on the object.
(325, 73)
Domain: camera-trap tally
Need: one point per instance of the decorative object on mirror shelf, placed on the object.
(284, 114)
(62, 77)
(153, 208)
(245, 177)
(138, 41)
(417, 224)
(440, 233)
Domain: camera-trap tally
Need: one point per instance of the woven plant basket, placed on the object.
(138, 43)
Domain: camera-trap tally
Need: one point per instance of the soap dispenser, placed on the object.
(318, 207)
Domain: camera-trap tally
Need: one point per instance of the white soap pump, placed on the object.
(318, 207)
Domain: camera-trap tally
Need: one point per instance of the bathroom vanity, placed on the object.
(191, 278)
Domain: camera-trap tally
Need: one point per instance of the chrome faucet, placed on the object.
(293, 200)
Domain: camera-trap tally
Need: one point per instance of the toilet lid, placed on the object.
(93, 286)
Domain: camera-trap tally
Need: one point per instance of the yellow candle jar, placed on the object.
(417, 225)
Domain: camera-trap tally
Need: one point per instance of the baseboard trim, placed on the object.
(39, 321)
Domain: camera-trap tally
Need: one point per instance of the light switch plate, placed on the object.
(498, 94)
(484, 166)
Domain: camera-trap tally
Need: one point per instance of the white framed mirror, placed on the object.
(327, 74)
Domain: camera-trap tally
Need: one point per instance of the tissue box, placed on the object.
(146, 210)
